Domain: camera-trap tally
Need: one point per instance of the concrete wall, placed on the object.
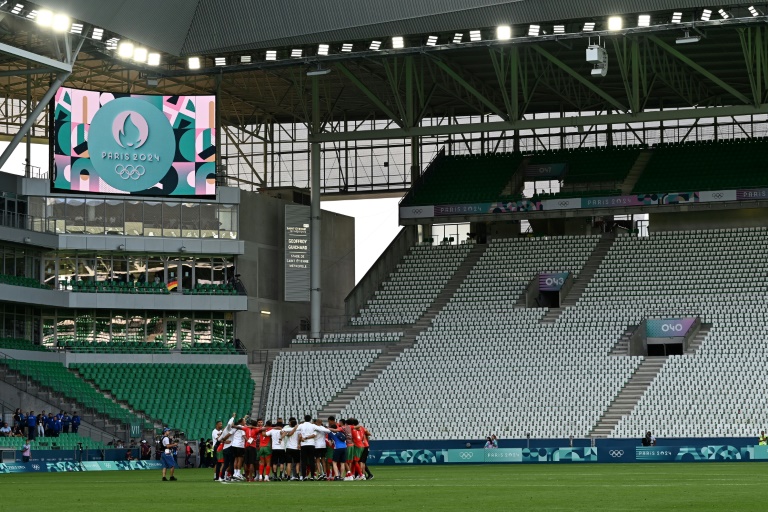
(751, 217)
(67, 358)
(269, 321)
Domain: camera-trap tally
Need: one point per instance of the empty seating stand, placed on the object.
(21, 281)
(350, 337)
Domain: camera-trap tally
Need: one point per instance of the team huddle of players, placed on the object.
(296, 451)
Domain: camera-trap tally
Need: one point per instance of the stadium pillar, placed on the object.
(315, 248)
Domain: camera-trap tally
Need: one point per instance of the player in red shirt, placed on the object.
(358, 434)
(364, 456)
(251, 447)
(265, 451)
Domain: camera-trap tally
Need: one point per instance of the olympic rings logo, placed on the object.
(466, 455)
(564, 203)
(616, 453)
(129, 171)
(717, 195)
(416, 211)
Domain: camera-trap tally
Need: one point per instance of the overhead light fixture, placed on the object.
(271, 55)
(111, 43)
(589, 26)
(534, 30)
(77, 28)
(475, 35)
(346, 47)
(44, 17)
(375, 45)
(265, 312)
(31, 15)
(153, 59)
(724, 14)
(319, 71)
(97, 34)
(194, 63)
(753, 11)
(322, 49)
(503, 33)
(432, 41)
(688, 38)
(644, 20)
(615, 23)
(125, 49)
(61, 23)
(398, 42)
(220, 61)
(457, 37)
(17, 8)
(245, 59)
(559, 29)
(296, 53)
(706, 14)
(677, 17)
(140, 54)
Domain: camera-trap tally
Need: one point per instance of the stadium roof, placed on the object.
(185, 27)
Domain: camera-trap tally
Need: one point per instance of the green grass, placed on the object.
(614, 487)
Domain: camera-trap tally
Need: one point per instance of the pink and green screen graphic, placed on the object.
(134, 144)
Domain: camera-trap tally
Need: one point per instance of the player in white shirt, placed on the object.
(238, 447)
(292, 452)
(278, 450)
(307, 433)
(321, 456)
(226, 438)
(215, 440)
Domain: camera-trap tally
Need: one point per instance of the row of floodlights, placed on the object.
(503, 33)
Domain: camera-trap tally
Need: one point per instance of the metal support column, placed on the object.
(315, 247)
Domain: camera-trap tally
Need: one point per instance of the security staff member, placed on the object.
(167, 458)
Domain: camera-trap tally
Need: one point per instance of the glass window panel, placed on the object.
(9, 261)
(137, 267)
(86, 268)
(227, 221)
(75, 216)
(171, 219)
(65, 328)
(118, 327)
(187, 268)
(190, 220)
(230, 334)
(219, 267)
(203, 331)
(203, 271)
(8, 325)
(185, 326)
(156, 270)
(153, 217)
(135, 330)
(115, 217)
(21, 267)
(219, 331)
(49, 331)
(209, 221)
(101, 327)
(67, 271)
(20, 327)
(134, 218)
(103, 268)
(95, 210)
(155, 330)
(84, 329)
(120, 269)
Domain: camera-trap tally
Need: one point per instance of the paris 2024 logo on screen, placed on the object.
(134, 144)
(131, 144)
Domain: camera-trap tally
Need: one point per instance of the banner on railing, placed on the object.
(66, 467)
(552, 281)
(668, 327)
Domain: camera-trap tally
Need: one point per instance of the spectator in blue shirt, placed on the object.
(75, 422)
(49, 425)
(66, 421)
(56, 426)
(31, 425)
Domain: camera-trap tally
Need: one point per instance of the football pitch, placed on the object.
(615, 487)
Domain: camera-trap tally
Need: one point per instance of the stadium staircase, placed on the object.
(586, 275)
(634, 174)
(391, 351)
(622, 346)
(698, 339)
(629, 396)
(515, 184)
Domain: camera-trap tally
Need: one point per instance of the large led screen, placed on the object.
(111, 143)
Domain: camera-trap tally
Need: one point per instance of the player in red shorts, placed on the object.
(265, 451)
(364, 456)
(358, 434)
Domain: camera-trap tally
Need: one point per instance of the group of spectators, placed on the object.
(31, 426)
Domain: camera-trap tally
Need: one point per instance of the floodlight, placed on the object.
(753, 11)
(153, 59)
(559, 29)
(194, 63)
(44, 17)
(245, 59)
(724, 14)
(432, 41)
(271, 55)
(125, 49)
(17, 9)
(706, 14)
(31, 15)
(677, 17)
(475, 35)
(97, 33)
(644, 20)
(220, 61)
(615, 23)
(534, 30)
(398, 42)
(375, 45)
(61, 23)
(346, 47)
(77, 28)
(457, 37)
(688, 38)
(111, 43)
(322, 49)
(140, 54)
(503, 32)
(589, 26)
(296, 53)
